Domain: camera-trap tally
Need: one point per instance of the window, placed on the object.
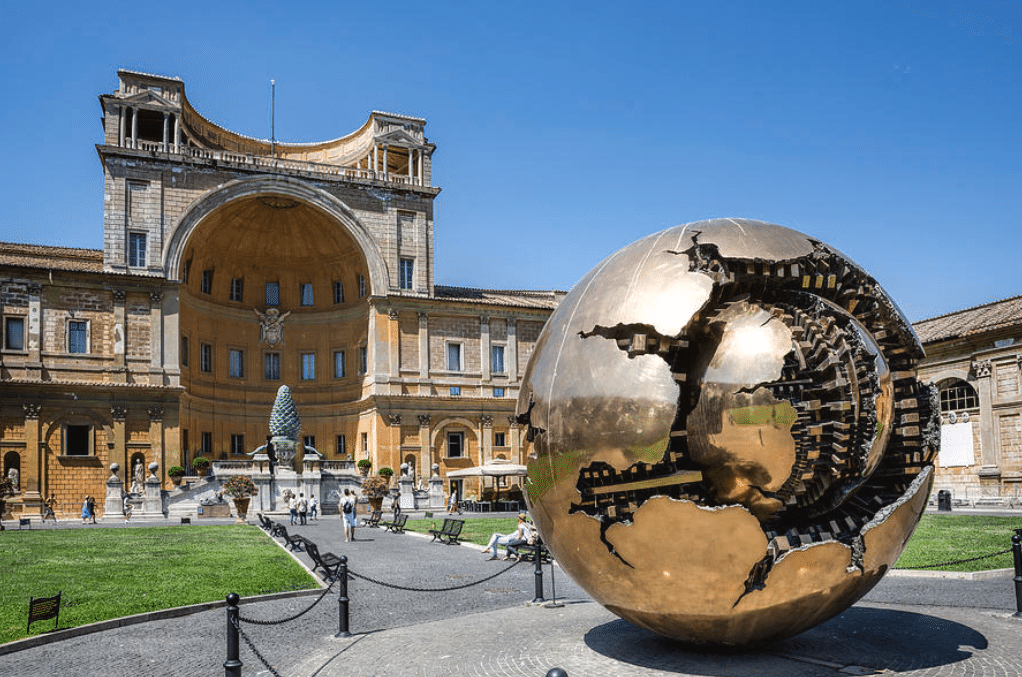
(309, 441)
(363, 360)
(237, 444)
(455, 391)
(184, 445)
(407, 267)
(500, 439)
(237, 366)
(14, 333)
(361, 286)
(455, 444)
(237, 288)
(498, 392)
(308, 366)
(957, 395)
(77, 440)
(136, 250)
(77, 336)
(338, 292)
(273, 293)
(342, 446)
(186, 271)
(205, 358)
(339, 364)
(305, 291)
(497, 359)
(206, 285)
(271, 364)
(207, 444)
(365, 445)
(184, 351)
(454, 351)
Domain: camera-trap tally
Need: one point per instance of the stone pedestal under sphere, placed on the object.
(729, 442)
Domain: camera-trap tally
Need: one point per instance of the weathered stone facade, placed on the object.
(162, 346)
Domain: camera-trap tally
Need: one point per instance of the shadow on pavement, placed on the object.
(877, 639)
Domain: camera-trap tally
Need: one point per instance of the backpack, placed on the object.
(346, 507)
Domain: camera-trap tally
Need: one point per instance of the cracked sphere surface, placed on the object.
(729, 443)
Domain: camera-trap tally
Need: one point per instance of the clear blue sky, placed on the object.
(890, 130)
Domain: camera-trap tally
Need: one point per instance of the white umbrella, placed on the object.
(497, 467)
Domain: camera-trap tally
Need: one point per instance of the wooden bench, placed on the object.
(398, 525)
(265, 522)
(294, 542)
(327, 561)
(24, 522)
(449, 532)
(528, 552)
(373, 520)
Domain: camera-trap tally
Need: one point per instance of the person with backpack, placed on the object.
(313, 507)
(348, 514)
(303, 508)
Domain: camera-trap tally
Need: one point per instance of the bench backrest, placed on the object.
(401, 519)
(43, 609)
(456, 527)
(313, 551)
(448, 523)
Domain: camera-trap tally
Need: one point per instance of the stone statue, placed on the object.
(15, 477)
(271, 325)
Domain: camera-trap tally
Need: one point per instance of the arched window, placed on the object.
(956, 395)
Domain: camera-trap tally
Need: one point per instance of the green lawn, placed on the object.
(939, 538)
(109, 573)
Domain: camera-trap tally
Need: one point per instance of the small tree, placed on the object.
(375, 487)
(240, 486)
(175, 471)
(365, 463)
(385, 472)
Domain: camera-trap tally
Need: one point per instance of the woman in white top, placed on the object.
(349, 514)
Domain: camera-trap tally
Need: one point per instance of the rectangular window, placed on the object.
(455, 391)
(455, 444)
(365, 445)
(497, 359)
(500, 439)
(309, 441)
(338, 292)
(305, 290)
(76, 440)
(454, 351)
(363, 360)
(308, 366)
(342, 446)
(184, 446)
(187, 271)
(237, 363)
(339, 369)
(206, 285)
(407, 268)
(14, 333)
(205, 358)
(237, 288)
(361, 286)
(237, 444)
(136, 250)
(207, 444)
(184, 351)
(77, 336)
(273, 293)
(498, 392)
(271, 363)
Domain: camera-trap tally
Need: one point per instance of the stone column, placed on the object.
(514, 433)
(156, 336)
(32, 462)
(34, 367)
(423, 346)
(394, 331)
(177, 134)
(113, 507)
(422, 179)
(486, 421)
(120, 338)
(134, 128)
(376, 159)
(424, 447)
(166, 131)
(386, 169)
(511, 367)
(990, 472)
(484, 347)
(156, 441)
(119, 413)
(120, 125)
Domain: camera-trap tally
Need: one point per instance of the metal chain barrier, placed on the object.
(963, 561)
(395, 586)
(298, 615)
(255, 650)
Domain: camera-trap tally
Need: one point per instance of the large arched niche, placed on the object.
(225, 250)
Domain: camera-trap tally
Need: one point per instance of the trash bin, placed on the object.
(944, 500)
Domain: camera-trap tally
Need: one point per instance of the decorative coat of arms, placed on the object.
(271, 325)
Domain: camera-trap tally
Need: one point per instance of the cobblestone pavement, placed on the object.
(904, 627)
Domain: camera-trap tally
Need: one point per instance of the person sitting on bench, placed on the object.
(519, 536)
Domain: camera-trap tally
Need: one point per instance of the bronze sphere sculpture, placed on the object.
(729, 443)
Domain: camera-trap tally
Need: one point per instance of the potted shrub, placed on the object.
(241, 488)
(175, 473)
(375, 488)
(201, 465)
(364, 466)
(386, 473)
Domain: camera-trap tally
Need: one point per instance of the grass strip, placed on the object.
(110, 573)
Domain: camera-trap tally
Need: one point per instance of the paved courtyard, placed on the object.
(906, 626)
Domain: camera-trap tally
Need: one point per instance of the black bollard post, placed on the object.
(342, 599)
(232, 666)
(538, 549)
(553, 604)
(1016, 553)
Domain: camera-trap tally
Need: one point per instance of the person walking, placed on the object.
(313, 507)
(349, 516)
(303, 508)
(127, 509)
(395, 505)
(453, 504)
(50, 504)
(86, 510)
(292, 507)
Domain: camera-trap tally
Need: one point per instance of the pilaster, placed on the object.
(32, 465)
